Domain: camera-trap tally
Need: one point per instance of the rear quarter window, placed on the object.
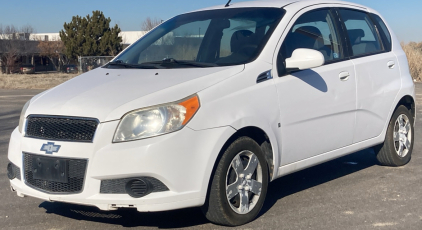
(384, 32)
(362, 33)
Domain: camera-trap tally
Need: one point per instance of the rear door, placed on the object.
(377, 72)
(317, 105)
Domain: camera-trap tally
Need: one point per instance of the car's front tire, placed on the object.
(398, 145)
(239, 184)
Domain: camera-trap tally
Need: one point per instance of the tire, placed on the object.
(240, 182)
(398, 145)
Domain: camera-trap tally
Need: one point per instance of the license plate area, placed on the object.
(50, 169)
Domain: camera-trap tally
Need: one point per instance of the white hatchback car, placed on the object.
(209, 107)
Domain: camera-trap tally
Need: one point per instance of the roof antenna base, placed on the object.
(228, 4)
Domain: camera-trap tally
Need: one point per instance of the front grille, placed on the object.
(118, 186)
(61, 128)
(75, 179)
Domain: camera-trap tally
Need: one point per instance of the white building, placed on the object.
(128, 37)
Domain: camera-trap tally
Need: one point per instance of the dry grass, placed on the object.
(33, 81)
(414, 55)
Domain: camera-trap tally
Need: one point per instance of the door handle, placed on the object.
(344, 76)
(391, 64)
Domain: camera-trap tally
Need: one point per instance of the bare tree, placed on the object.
(14, 43)
(150, 23)
(54, 51)
(8, 47)
(27, 29)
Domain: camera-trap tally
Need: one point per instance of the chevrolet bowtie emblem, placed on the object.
(50, 148)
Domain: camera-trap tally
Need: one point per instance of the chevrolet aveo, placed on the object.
(212, 105)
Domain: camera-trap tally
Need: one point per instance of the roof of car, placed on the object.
(278, 3)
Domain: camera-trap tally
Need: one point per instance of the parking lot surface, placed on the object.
(351, 192)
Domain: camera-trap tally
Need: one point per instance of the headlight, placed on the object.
(156, 120)
(22, 117)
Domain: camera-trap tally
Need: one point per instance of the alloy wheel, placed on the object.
(402, 135)
(244, 182)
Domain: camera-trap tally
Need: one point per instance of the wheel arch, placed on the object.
(409, 102)
(263, 140)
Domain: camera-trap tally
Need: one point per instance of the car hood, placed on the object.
(107, 94)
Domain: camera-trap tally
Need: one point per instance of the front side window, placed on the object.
(204, 39)
(361, 31)
(313, 30)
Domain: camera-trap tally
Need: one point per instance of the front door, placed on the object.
(317, 105)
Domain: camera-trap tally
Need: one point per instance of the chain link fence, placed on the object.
(92, 62)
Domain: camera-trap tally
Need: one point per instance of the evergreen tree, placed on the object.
(91, 36)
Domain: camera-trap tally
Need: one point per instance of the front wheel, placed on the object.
(397, 148)
(239, 185)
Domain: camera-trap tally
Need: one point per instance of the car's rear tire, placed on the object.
(398, 145)
(239, 184)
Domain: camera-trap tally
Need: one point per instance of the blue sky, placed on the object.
(48, 16)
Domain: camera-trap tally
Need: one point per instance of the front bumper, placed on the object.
(183, 161)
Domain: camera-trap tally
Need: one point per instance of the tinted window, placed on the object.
(385, 34)
(313, 30)
(206, 38)
(361, 31)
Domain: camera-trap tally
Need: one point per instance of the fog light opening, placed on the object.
(138, 188)
(10, 172)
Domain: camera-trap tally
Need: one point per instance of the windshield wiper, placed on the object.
(167, 61)
(133, 66)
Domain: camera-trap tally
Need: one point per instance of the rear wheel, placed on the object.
(239, 185)
(397, 148)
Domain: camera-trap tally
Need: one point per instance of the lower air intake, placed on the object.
(13, 172)
(135, 187)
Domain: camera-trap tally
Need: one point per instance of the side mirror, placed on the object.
(304, 59)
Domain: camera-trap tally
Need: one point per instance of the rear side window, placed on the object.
(361, 31)
(385, 34)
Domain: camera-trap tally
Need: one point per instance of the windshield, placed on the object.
(203, 39)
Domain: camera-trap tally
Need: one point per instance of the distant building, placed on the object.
(45, 37)
(128, 37)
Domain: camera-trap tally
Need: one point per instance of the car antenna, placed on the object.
(228, 4)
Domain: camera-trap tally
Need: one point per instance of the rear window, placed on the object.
(383, 30)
